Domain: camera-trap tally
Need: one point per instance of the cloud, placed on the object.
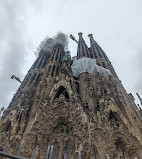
(12, 49)
(48, 43)
(116, 26)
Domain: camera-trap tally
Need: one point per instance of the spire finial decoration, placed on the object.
(90, 35)
(80, 34)
(82, 47)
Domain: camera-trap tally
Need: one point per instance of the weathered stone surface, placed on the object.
(80, 112)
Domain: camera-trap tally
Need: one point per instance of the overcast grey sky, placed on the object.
(115, 24)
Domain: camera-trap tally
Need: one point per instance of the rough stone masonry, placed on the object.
(73, 113)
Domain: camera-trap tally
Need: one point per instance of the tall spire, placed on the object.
(82, 50)
(56, 53)
(96, 50)
(100, 56)
(55, 60)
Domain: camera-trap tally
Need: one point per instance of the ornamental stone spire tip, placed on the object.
(80, 34)
(90, 35)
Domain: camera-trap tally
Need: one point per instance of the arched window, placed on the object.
(63, 91)
(38, 79)
(91, 53)
(40, 60)
(33, 77)
(57, 53)
(48, 71)
(57, 70)
(95, 52)
(104, 65)
(77, 87)
(120, 154)
(113, 119)
(98, 51)
(53, 70)
(46, 60)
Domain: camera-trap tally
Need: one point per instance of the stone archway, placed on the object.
(61, 87)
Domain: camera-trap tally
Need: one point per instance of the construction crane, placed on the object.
(16, 78)
(73, 38)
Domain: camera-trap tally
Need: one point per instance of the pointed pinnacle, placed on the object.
(90, 35)
(80, 34)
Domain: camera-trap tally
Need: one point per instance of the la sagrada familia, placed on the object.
(76, 108)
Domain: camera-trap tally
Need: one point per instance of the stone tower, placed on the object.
(77, 106)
